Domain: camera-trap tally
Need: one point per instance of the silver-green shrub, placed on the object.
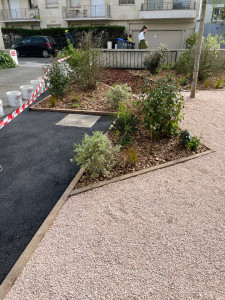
(95, 154)
(155, 59)
(119, 93)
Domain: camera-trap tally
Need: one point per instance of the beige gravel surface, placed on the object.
(157, 236)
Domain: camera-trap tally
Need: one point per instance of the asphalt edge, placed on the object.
(25, 256)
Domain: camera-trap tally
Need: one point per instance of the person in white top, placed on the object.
(143, 44)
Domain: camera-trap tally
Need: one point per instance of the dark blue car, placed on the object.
(36, 46)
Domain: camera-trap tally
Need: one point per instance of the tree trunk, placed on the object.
(198, 51)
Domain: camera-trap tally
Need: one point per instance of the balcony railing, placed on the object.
(87, 12)
(22, 14)
(168, 5)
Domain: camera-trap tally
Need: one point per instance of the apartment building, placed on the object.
(169, 21)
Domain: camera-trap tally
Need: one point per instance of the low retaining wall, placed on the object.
(134, 58)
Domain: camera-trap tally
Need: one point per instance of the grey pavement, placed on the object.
(30, 68)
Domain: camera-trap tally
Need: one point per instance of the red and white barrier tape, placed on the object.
(20, 109)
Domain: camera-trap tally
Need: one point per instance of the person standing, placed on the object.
(69, 37)
(143, 44)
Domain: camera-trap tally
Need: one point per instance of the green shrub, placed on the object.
(184, 137)
(6, 62)
(59, 79)
(162, 109)
(209, 61)
(85, 61)
(125, 123)
(218, 84)
(155, 59)
(119, 93)
(96, 154)
(183, 81)
(190, 143)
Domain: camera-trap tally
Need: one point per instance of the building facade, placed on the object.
(169, 22)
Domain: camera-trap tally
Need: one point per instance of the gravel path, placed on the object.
(157, 236)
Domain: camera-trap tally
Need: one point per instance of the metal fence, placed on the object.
(19, 14)
(147, 6)
(131, 59)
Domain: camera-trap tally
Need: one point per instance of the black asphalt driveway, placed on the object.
(35, 157)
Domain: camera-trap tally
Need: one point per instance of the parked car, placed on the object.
(36, 46)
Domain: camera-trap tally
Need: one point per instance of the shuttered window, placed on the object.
(51, 3)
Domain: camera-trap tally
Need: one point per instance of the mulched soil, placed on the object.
(148, 154)
(121, 76)
(97, 99)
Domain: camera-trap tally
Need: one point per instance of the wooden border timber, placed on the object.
(71, 111)
(24, 257)
(134, 174)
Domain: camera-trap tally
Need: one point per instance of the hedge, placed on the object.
(109, 32)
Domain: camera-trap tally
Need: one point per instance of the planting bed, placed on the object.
(147, 153)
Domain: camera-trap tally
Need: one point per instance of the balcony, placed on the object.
(20, 15)
(86, 12)
(168, 10)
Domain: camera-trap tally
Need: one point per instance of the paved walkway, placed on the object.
(157, 236)
(30, 68)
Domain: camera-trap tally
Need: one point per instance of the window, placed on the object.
(38, 40)
(51, 3)
(126, 2)
(26, 41)
(218, 14)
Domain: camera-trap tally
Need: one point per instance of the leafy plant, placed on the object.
(183, 81)
(96, 154)
(155, 59)
(6, 62)
(125, 123)
(119, 93)
(53, 101)
(218, 84)
(184, 137)
(162, 108)
(131, 157)
(190, 143)
(85, 61)
(207, 84)
(209, 61)
(59, 79)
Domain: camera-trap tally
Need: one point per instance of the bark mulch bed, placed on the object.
(96, 99)
(148, 155)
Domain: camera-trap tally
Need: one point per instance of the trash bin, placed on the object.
(124, 44)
